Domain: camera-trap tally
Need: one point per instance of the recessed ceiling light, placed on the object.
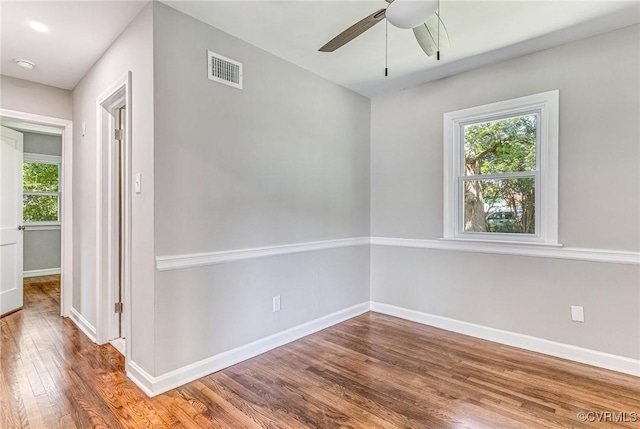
(25, 64)
(38, 26)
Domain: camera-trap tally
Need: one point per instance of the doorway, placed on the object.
(118, 231)
(114, 214)
(48, 212)
(42, 195)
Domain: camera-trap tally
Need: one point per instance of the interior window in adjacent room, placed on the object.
(41, 189)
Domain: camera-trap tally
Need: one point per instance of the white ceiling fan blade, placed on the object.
(427, 35)
(410, 13)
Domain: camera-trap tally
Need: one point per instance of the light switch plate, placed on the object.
(577, 313)
(138, 183)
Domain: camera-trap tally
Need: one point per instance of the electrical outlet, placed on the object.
(577, 313)
(276, 303)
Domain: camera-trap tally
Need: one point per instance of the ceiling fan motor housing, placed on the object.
(410, 13)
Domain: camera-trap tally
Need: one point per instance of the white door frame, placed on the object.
(66, 230)
(115, 95)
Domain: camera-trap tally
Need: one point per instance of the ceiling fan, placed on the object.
(423, 16)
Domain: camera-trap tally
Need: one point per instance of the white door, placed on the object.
(10, 220)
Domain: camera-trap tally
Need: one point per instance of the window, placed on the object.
(41, 189)
(501, 171)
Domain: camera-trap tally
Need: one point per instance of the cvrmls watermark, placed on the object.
(608, 416)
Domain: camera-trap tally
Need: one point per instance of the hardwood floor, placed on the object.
(372, 371)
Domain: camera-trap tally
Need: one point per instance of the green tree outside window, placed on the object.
(41, 187)
(503, 146)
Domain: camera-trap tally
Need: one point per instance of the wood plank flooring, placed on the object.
(372, 371)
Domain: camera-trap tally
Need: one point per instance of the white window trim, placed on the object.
(42, 159)
(546, 106)
(45, 159)
(43, 226)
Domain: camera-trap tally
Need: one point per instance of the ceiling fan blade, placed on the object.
(354, 31)
(427, 35)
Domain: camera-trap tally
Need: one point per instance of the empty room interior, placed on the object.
(320, 214)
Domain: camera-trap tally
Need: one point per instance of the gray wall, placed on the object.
(285, 160)
(599, 187)
(44, 144)
(30, 97)
(131, 51)
(203, 311)
(42, 248)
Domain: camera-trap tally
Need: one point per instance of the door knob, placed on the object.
(21, 227)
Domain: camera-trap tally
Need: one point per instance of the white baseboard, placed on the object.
(119, 345)
(38, 273)
(153, 386)
(141, 378)
(83, 324)
(566, 351)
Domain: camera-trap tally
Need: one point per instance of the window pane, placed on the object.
(40, 177)
(503, 146)
(40, 208)
(503, 206)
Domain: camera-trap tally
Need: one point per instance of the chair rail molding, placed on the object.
(518, 249)
(176, 262)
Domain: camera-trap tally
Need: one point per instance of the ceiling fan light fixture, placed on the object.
(25, 64)
(410, 13)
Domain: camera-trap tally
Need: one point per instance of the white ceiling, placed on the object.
(79, 32)
(481, 32)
